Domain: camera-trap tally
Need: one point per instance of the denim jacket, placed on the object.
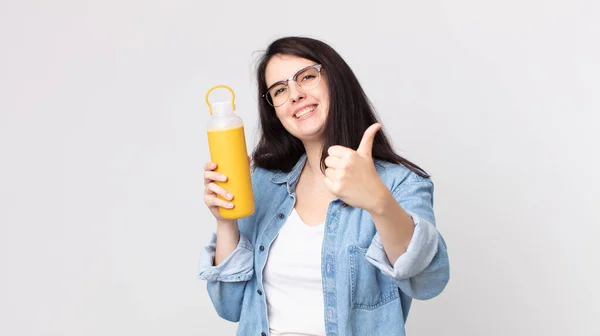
(363, 293)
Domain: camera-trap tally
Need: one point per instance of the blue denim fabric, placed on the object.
(364, 294)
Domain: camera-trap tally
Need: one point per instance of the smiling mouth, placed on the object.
(304, 112)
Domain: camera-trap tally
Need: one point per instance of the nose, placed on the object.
(295, 93)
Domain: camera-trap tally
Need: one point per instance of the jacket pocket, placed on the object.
(369, 287)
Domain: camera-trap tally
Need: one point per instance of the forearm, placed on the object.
(228, 237)
(394, 225)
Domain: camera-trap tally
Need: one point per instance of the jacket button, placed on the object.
(261, 248)
(281, 215)
(263, 334)
(259, 292)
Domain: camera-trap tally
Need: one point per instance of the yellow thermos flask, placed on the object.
(227, 145)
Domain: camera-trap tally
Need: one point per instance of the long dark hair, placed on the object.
(350, 111)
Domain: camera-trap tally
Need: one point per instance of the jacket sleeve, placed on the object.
(227, 281)
(423, 271)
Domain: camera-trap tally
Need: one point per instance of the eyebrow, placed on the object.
(280, 82)
(284, 81)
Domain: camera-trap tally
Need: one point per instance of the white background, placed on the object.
(102, 145)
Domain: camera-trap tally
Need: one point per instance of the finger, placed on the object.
(213, 201)
(340, 151)
(366, 143)
(331, 174)
(219, 191)
(210, 176)
(207, 191)
(210, 166)
(328, 184)
(334, 162)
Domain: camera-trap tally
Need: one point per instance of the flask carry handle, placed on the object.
(220, 87)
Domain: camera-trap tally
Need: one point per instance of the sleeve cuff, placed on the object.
(422, 248)
(238, 266)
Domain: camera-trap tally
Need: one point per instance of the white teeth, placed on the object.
(304, 112)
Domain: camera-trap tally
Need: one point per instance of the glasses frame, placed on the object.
(285, 82)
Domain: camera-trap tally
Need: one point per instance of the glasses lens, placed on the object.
(278, 94)
(308, 78)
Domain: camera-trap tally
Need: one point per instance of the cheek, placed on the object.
(278, 112)
(324, 99)
(324, 96)
(280, 115)
(282, 119)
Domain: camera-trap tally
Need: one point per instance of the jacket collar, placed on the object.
(291, 177)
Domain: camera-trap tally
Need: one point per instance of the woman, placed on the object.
(343, 236)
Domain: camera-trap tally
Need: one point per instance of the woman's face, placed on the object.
(305, 111)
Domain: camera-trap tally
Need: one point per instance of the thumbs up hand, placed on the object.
(351, 175)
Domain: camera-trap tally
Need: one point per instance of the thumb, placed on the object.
(366, 144)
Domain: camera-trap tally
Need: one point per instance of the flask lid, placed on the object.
(221, 107)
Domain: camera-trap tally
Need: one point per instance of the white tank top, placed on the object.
(292, 280)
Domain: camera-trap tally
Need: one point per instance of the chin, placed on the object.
(316, 136)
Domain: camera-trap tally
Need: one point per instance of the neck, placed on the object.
(313, 157)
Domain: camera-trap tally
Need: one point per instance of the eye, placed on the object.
(280, 90)
(308, 77)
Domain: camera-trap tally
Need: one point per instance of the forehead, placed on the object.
(282, 67)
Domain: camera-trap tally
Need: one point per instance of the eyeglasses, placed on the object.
(306, 79)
